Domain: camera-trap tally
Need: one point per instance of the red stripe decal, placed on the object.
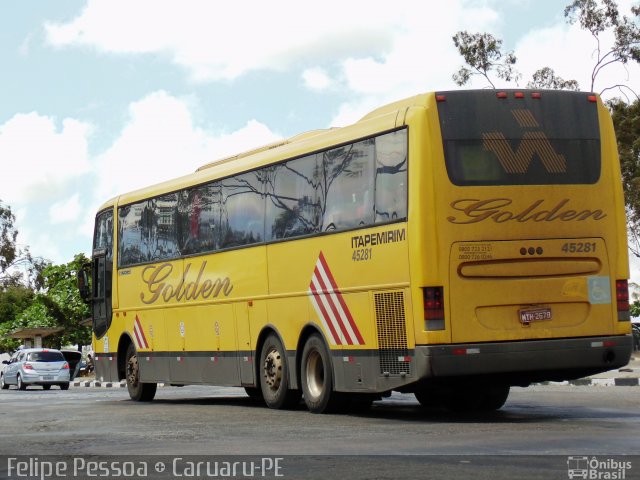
(331, 306)
(346, 310)
(324, 315)
(138, 333)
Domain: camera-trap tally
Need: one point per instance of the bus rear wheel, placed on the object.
(317, 377)
(477, 398)
(473, 398)
(138, 391)
(274, 375)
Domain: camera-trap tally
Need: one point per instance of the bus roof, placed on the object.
(383, 118)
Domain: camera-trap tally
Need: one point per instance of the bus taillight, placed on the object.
(622, 299)
(433, 301)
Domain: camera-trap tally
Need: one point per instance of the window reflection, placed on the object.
(294, 206)
(391, 176)
(347, 186)
(103, 237)
(359, 184)
(242, 210)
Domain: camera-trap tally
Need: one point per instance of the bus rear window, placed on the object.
(524, 139)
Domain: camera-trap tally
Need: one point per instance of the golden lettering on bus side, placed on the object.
(496, 209)
(155, 276)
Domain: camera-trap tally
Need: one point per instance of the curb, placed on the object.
(99, 384)
(598, 382)
(607, 382)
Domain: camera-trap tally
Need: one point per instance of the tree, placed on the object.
(598, 16)
(12, 257)
(8, 235)
(57, 305)
(483, 53)
(63, 303)
(626, 121)
(14, 299)
(547, 78)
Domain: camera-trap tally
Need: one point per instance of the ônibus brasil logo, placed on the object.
(593, 468)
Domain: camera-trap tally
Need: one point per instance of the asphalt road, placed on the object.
(531, 437)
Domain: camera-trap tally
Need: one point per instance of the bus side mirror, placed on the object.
(83, 285)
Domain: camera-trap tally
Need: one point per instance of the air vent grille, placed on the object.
(392, 333)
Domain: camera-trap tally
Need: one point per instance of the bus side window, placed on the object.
(199, 217)
(391, 176)
(242, 210)
(347, 181)
(164, 242)
(293, 198)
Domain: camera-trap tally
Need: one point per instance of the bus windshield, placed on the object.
(516, 138)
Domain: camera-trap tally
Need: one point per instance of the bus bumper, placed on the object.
(524, 362)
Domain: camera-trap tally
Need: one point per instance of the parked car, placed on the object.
(35, 366)
(74, 357)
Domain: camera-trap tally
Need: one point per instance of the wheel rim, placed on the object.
(19, 382)
(132, 371)
(315, 374)
(273, 369)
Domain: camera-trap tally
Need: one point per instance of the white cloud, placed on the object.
(317, 79)
(222, 42)
(161, 142)
(65, 211)
(38, 159)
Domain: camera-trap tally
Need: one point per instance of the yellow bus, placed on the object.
(453, 244)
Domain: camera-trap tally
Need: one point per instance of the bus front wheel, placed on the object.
(138, 391)
(317, 377)
(274, 375)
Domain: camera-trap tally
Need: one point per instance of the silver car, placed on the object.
(35, 366)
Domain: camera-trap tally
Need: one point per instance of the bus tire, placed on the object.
(477, 398)
(274, 375)
(255, 394)
(494, 397)
(138, 391)
(317, 377)
(428, 397)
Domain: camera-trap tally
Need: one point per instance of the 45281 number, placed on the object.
(362, 254)
(579, 247)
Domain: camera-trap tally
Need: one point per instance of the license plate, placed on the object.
(528, 315)
(47, 377)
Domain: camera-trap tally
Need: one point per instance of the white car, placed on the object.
(35, 366)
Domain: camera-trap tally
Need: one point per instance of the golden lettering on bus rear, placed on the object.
(155, 278)
(497, 210)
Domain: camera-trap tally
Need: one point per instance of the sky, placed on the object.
(100, 97)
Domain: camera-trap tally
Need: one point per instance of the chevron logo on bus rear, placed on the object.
(138, 333)
(331, 307)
